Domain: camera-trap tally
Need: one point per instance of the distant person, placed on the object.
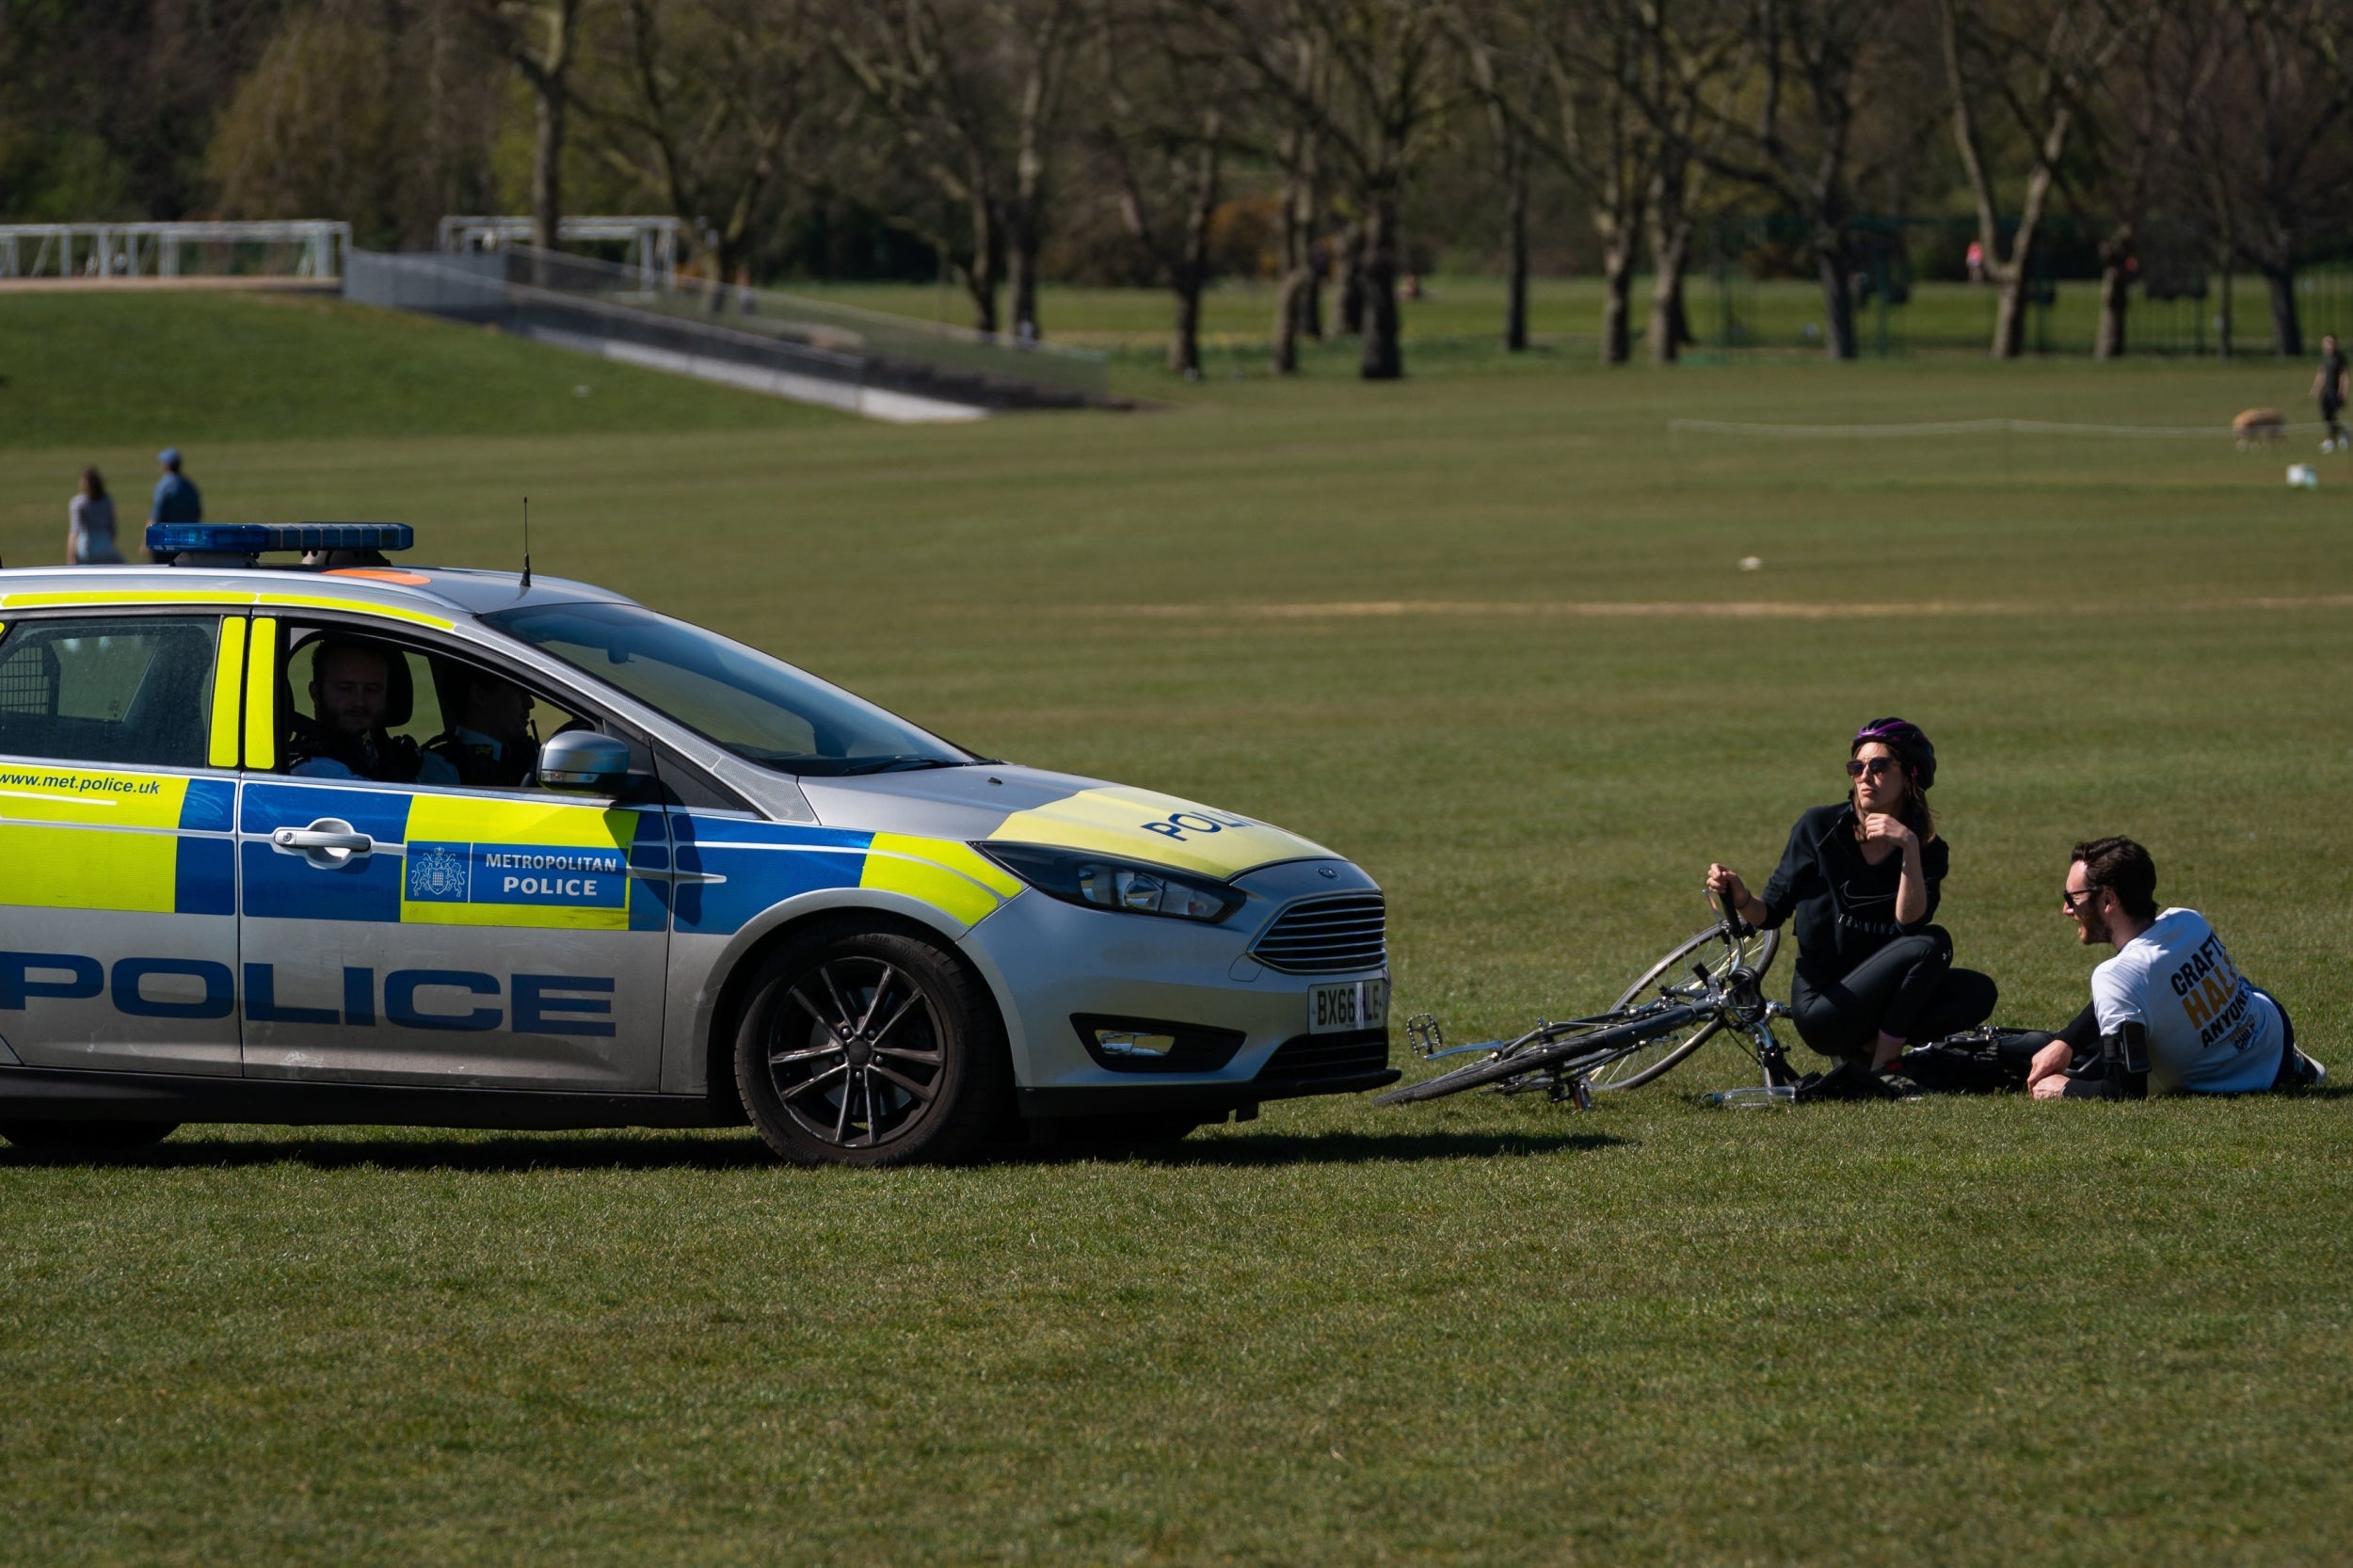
(349, 683)
(2171, 1000)
(1977, 261)
(1862, 880)
(89, 524)
(177, 499)
(2330, 390)
(490, 746)
(745, 300)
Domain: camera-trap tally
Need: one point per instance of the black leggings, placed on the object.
(1908, 989)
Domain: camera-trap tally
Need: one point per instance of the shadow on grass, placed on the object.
(499, 1152)
(1337, 1148)
(527, 1152)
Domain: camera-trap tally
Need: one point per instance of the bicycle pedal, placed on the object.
(1423, 1034)
(1584, 1093)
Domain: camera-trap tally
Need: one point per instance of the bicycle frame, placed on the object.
(1562, 1057)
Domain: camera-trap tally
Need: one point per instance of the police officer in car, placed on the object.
(349, 682)
(490, 746)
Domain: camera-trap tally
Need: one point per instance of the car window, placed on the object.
(476, 723)
(131, 689)
(760, 708)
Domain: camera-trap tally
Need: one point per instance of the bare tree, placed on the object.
(539, 39)
(974, 92)
(2127, 160)
(1387, 94)
(2275, 137)
(1163, 119)
(2037, 59)
(1506, 79)
(704, 96)
(1790, 124)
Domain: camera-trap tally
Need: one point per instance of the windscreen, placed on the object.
(760, 709)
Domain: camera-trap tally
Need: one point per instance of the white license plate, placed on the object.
(1348, 1005)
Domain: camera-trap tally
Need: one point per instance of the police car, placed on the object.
(345, 840)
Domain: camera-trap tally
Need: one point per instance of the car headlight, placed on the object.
(1105, 882)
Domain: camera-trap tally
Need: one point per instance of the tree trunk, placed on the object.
(979, 274)
(2287, 330)
(1515, 241)
(2116, 254)
(1617, 285)
(2010, 310)
(1192, 264)
(547, 169)
(1829, 255)
(1287, 297)
(1353, 280)
(1384, 359)
(1670, 252)
(1298, 246)
(1021, 272)
(2225, 318)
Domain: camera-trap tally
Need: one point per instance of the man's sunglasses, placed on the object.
(1858, 766)
(2073, 902)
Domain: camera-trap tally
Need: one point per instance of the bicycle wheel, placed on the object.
(1722, 955)
(1607, 1033)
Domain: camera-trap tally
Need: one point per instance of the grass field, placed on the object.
(1487, 635)
(1457, 322)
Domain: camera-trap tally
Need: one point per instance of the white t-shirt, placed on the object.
(2209, 1029)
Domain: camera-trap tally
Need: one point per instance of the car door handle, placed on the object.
(328, 842)
(317, 837)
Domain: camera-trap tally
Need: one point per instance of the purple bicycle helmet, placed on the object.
(1907, 740)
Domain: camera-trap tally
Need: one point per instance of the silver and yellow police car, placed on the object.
(336, 839)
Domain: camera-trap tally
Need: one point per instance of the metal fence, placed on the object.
(789, 319)
(1750, 289)
(304, 247)
(577, 303)
(651, 240)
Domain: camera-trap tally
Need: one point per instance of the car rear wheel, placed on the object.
(868, 1048)
(86, 1137)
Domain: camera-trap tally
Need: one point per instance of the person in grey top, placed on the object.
(89, 526)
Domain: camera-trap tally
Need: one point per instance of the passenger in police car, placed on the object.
(350, 684)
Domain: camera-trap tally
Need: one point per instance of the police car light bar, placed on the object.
(169, 540)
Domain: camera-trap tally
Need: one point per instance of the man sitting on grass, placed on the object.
(2171, 998)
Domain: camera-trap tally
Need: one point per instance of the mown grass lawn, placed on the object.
(1488, 635)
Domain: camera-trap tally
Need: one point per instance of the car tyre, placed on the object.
(871, 1047)
(86, 1138)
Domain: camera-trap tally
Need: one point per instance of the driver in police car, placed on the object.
(491, 746)
(350, 681)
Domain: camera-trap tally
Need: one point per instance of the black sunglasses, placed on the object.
(2071, 902)
(1858, 766)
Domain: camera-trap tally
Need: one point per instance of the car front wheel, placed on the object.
(869, 1047)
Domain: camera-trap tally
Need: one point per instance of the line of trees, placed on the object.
(1174, 140)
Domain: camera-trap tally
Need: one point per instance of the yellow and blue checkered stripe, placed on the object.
(111, 838)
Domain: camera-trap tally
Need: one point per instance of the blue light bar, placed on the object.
(167, 539)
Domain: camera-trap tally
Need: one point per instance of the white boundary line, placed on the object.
(1972, 427)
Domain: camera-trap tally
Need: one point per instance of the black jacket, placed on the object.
(1843, 907)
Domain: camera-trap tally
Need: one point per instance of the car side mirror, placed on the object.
(584, 759)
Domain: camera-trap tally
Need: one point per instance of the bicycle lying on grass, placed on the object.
(1711, 984)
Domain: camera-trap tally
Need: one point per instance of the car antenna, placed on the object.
(526, 544)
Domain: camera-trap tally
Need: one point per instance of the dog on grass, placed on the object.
(2259, 427)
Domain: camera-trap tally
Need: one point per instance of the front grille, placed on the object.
(1308, 1058)
(1339, 935)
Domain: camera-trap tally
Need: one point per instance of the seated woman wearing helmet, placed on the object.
(1861, 880)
